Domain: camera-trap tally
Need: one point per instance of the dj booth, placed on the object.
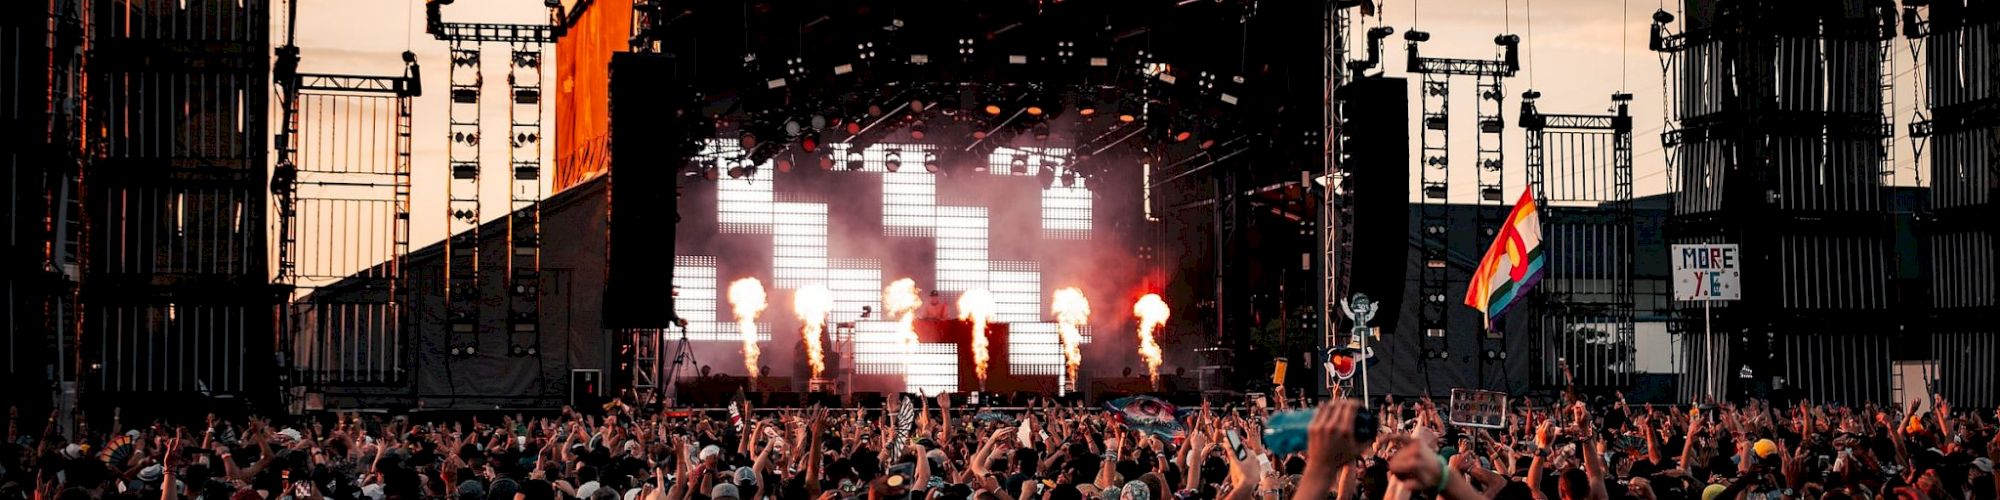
(878, 369)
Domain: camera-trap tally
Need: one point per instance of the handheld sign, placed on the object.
(1707, 272)
(1482, 409)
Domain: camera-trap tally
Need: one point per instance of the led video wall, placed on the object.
(996, 223)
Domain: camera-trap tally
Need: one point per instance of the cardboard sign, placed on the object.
(1482, 409)
(1707, 272)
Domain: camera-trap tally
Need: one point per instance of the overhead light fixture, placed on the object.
(993, 109)
(1034, 110)
(1183, 136)
(1019, 166)
(893, 162)
(931, 163)
(1046, 177)
(736, 170)
(917, 130)
(1041, 131)
(711, 173)
(748, 139)
(1069, 178)
(826, 163)
(854, 160)
(809, 142)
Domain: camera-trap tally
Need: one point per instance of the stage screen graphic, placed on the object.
(1012, 222)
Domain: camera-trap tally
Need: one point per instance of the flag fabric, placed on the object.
(1513, 263)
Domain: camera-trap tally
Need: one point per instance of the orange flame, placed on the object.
(812, 303)
(900, 301)
(977, 306)
(1152, 313)
(1072, 312)
(746, 297)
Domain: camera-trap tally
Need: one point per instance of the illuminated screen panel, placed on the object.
(820, 227)
(696, 281)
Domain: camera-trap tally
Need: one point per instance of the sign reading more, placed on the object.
(1707, 272)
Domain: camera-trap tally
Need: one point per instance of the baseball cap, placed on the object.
(1983, 464)
(721, 491)
(1712, 491)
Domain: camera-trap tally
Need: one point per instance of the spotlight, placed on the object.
(826, 163)
(993, 109)
(1126, 118)
(748, 139)
(736, 170)
(784, 164)
(1046, 177)
(810, 142)
(1069, 179)
(710, 173)
(1019, 165)
(1034, 110)
(854, 160)
(893, 162)
(1041, 131)
(917, 130)
(931, 163)
(854, 127)
(1183, 136)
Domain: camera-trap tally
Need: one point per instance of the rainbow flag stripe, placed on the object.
(1512, 265)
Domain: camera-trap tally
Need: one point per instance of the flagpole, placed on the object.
(1716, 373)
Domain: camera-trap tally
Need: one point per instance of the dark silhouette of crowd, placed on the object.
(1561, 449)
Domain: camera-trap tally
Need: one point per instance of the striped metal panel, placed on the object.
(173, 347)
(1838, 368)
(1968, 367)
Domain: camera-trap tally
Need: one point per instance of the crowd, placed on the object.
(930, 450)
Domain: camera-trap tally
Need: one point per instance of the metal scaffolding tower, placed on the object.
(1779, 136)
(524, 78)
(461, 285)
(1588, 305)
(1960, 44)
(342, 188)
(1434, 177)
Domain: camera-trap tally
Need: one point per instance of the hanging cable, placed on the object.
(1624, 40)
(1531, 43)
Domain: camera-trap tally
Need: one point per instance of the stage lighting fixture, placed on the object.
(748, 139)
(1041, 131)
(993, 110)
(736, 171)
(854, 160)
(784, 164)
(931, 163)
(893, 162)
(917, 130)
(854, 127)
(1047, 177)
(1020, 165)
(826, 163)
(792, 128)
(809, 142)
(1183, 135)
(1069, 178)
(1034, 110)
(710, 173)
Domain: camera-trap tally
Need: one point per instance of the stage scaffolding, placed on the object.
(1959, 121)
(1580, 169)
(342, 190)
(1778, 134)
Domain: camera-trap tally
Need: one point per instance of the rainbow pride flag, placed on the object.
(1512, 264)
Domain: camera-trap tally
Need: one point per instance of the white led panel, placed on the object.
(800, 255)
(695, 277)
